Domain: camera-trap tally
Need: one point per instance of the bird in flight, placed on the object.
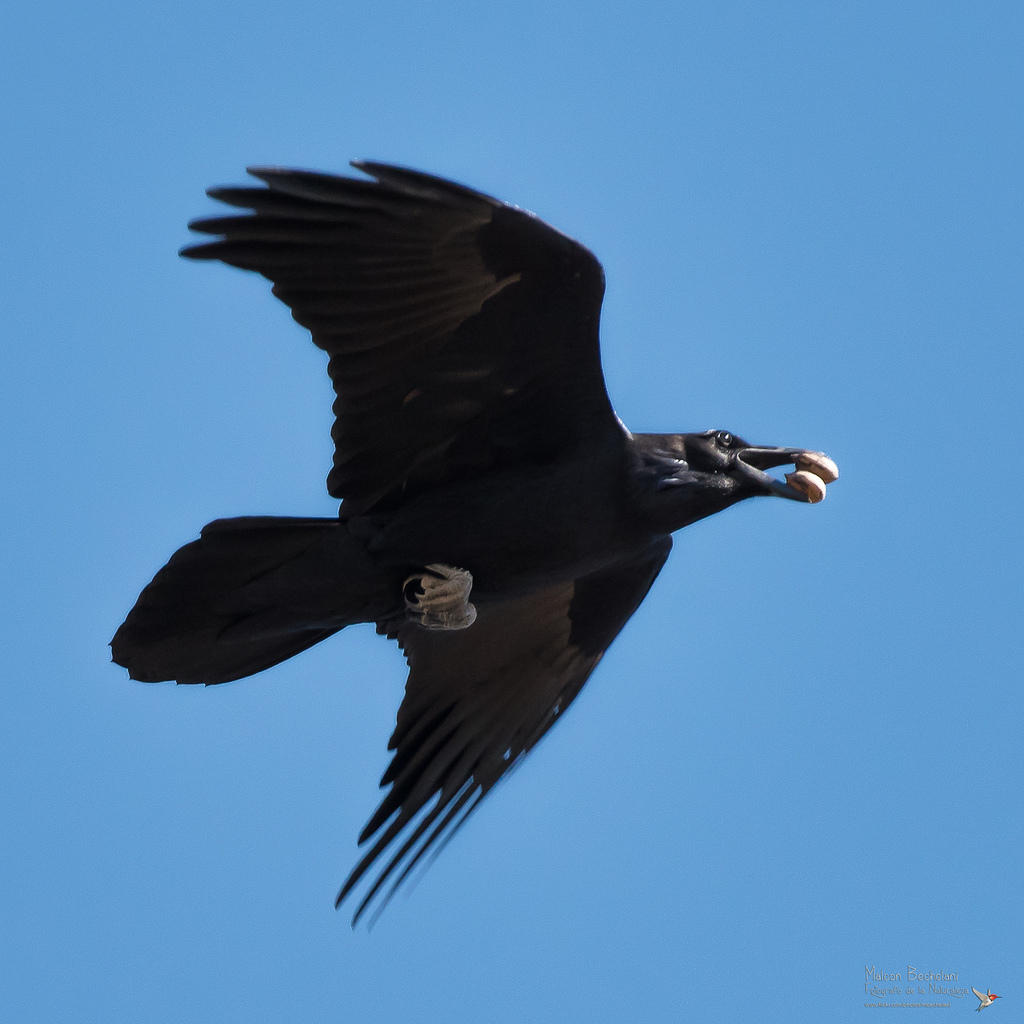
(497, 518)
(987, 998)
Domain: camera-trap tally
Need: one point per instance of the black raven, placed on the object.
(476, 457)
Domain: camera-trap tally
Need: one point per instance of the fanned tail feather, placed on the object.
(249, 593)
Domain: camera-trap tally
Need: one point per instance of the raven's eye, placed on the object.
(724, 439)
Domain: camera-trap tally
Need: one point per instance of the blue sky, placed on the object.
(803, 755)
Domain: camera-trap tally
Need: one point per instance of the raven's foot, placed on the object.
(438, 597)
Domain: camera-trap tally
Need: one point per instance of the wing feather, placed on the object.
(478, 700)
(462, 333)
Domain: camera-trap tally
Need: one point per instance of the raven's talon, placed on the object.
(438, 597)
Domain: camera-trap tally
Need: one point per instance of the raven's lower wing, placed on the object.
(477, 700)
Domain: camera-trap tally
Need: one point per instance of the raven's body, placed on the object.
(523, 529)
(529, 527)
(473, 435)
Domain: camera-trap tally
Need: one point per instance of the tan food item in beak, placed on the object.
(813, 487)
(820, 465)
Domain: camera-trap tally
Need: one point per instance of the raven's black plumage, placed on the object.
(472, 430)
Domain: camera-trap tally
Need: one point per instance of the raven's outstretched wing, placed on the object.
(477, 700)
(462, 333)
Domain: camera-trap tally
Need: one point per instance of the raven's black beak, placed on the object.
(813, 471)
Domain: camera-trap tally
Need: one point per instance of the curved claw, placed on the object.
(438, 597)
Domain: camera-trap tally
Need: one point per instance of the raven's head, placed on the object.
(696, 475)
(719, 452)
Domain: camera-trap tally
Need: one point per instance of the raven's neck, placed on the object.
(668, 494)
